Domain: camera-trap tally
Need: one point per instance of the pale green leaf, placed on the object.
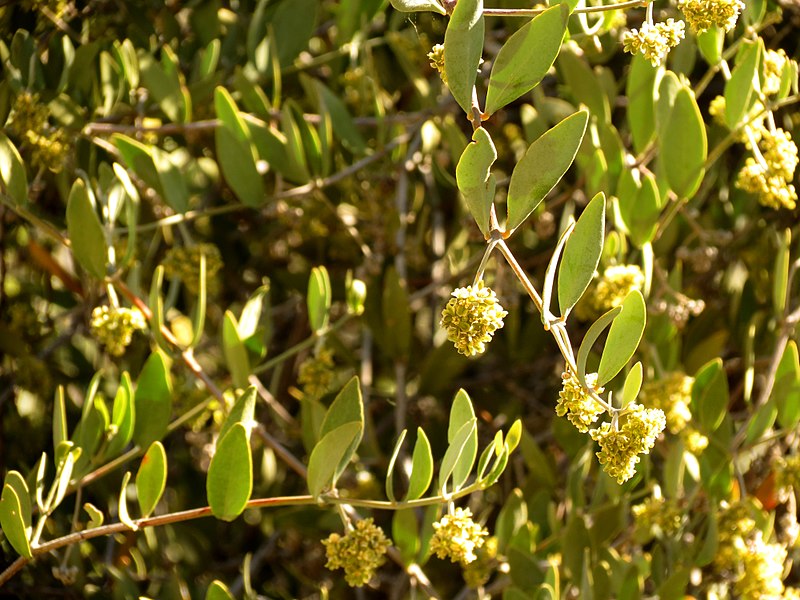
(218, 591)
(392, 461)
(319, 298)
(463, 46)
(234, 350)
(590, 338)
(544, 164)
(230, 474)
(152, 401)
(710, 396)
(332, 450)
(684, 145)
(243, 412)
(582, 254)
(151, 479)
(472, 176)
(526, 57)
(623, 337)
(453, 453)
(418, 5)
(122, 505)
(13, 178)
(421, 467)
(633, 383)
(12, 521)
(86, 235)
(741, 90)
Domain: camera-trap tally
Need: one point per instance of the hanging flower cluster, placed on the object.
(654, 41)
(457, 536)
(573, 401)
(359, 553)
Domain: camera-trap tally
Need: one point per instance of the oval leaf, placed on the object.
(710, 395)
(230, 474)
(153, 398)
(85, 231)
(590, 338)
(235, 351)
(544, 164)
(12, 172)
(743, 86)
(472, 176)
(218, 591)
(623, 337)
(633, 383)
(13, 522)
(243, 412)
(418, 5)
(319, 298)
(453, 454)
(151, 479)
(462, 413)
(582, 254)
(122, 416)
(421, 467)
(463, 45)
(238, 166)
(684, 145)
(526, 57)
(332, 450)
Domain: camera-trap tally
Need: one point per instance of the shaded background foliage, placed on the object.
(397, 223)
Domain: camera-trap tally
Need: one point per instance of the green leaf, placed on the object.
(623, 337)
(199, 314)
(238, 166)
(453, 453)
(319, 298)
(708, 551)
(123, 416)
(173, 181)
(762, 419)
(584, 84)
(396, 314)
(582, 254)
(514, 436)
(59, 418)
(12, 521)
(462, 413)
(421, 467)
(498, 467)
(230, 474)
(780, 272)
(710, 42)
(710, 395)
(544, 164)
(96, 516)
(122, 506)
(218, 591)
(151, 479)
(17, 482)
(786, 389)
(347, 407)
(684, 145)
(41, 471)
(234, 350)
(405, 534)
(13, 178)
(526, 57)
(463, 46)
(418, 6)
(639, 205)
(156, 303)
(472, 175)
(329, 454)
(243, 411)
(64, 471)
(640, 90)
(390, 469)
(741, 90)
(343, 125)
(86, 235)
(152, 401)
(633, 383)
(590, 338)
(164, 88)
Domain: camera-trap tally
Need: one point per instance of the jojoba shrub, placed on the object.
(399, 299)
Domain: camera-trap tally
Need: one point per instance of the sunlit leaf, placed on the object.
(230, 474)
(151, 479)
(463, 46)
(582, 254)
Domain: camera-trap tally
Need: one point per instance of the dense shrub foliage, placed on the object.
(429, 298)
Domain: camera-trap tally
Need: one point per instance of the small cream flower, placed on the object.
(114, 327)
(457, 537)
(359, 553)
(471, 317)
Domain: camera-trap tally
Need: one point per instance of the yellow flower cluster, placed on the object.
(436, 56)
(48, 145)
(658, 516)
(609, 291)
(183, 262)
(456, 536)
(735, 527)
(716, 108)
(672, 394)
(359, 553)
(774, 63)
(704, 14)
(787, 473)
(316, 374)
(695, 441)
(478, 572)
(114, 327)
(471, 317)
(770, 177)
(580, 408)
(620, 446)
(654, 41)
(761, 570)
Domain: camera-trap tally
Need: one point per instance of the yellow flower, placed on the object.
(471, 317)
(672, 394)
(704, 14)
(114, 327)
(457, 536)
(359, 553)
(580, 408)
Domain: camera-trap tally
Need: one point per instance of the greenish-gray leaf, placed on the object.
(12, 521)
(151, 479)
(640, 91)
(526, 57)
(786, 389)
(710, 396)
(235, 158)
(123, 416)
(543, 166)
(421, 467)
(419, 5)
(390, 469)
(453, 453)
(152, 401)
(623, 337)
(684, 145)
(347, 407)
(230, 474)
(582, 254)
(590, 338)
(463, 46)
(85, 231)
(243, 412)
(12, 172)
(332, 450)
(633, 383)
(234, 350)
(173, 181)
(741, 90)
(462, 413)
(472, 175)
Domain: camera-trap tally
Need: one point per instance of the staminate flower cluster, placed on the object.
(316, 373)
(621, 445)
(654, 41)
(478, 572)
(573, 401)
(774, 63)
(671, 393)
(761, 570)
(704, 14)
(456, 536)
(436, 56)
(609, 291)
(183, 262)
(471, 317)
(359, 553)
(658, 516)
(735, 527)
(114, 327)
(48, 145)
(787, 474)
(770, 172)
